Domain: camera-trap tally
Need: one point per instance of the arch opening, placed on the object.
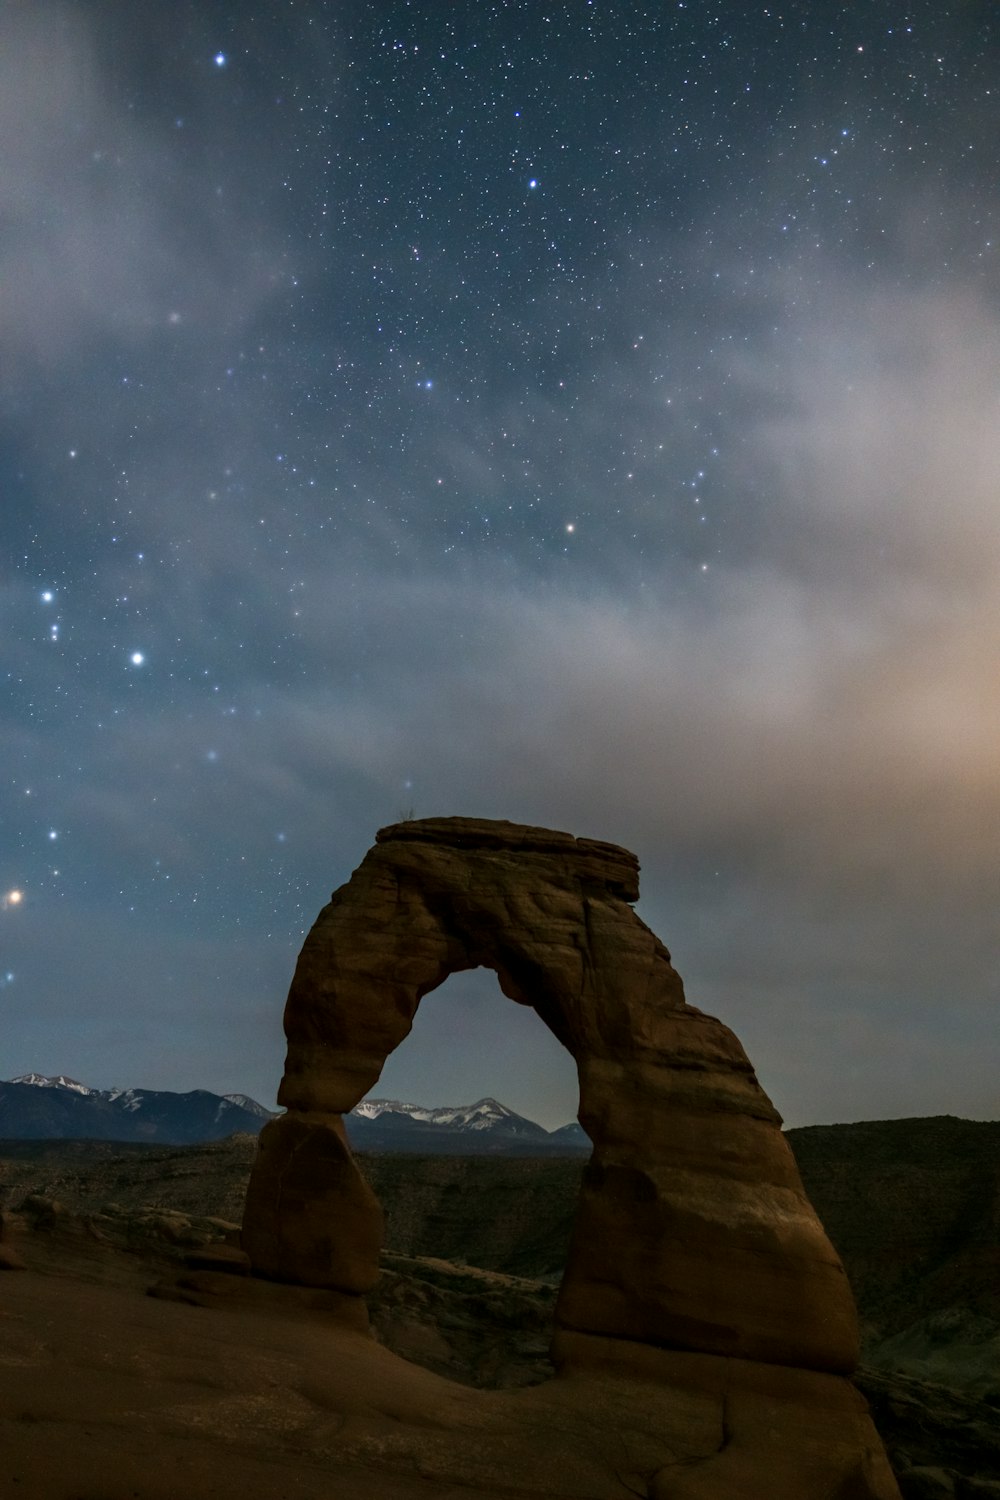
(478, 1217)
(468, 1041)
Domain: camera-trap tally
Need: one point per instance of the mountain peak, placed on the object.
(244, 1101)
(60, 1081)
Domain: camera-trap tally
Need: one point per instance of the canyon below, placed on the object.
(214, 1385)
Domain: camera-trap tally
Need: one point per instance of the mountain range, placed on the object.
(36, 1106)
(484, 1128)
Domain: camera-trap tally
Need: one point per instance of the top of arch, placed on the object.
(617, 867)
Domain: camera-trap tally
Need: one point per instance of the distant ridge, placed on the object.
(38, 1106)
(484, 1128)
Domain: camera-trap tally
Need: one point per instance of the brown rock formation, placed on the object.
(693, 1231)
(9, 1258)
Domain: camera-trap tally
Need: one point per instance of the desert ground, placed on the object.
(218, 1385)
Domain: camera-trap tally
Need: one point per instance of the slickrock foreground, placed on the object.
(697, 1265)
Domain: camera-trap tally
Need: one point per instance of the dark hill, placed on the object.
(913, 1208)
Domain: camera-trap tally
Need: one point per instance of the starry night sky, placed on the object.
(584, 414)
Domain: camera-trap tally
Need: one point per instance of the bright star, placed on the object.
(533, 183)
(137, 658)
(48, 596)
(219, 59)
(13, 898)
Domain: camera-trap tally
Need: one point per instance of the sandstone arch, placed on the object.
(693, 1231)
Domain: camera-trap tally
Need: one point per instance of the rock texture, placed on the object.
(265, 1393)
(696, 1259)
(693, 1230)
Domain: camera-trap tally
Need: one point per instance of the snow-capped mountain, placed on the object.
(39, 1081)
(38, 1107)
(243, 1101)
(485, 1114)
(459, 1129)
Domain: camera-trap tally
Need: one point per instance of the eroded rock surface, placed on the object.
(693, 1234)
(693, 1230)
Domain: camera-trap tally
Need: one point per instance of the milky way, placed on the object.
(587, 415)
